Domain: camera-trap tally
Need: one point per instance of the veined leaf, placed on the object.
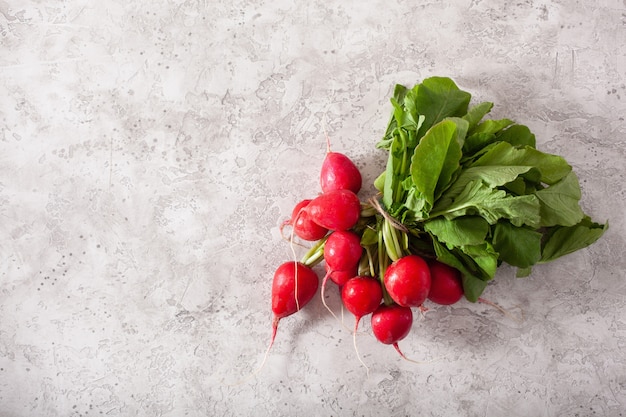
(517, 135)
(517, 246)
(438, 98)
(493, 176)
(476, 113)
(466, 230)
(552, 167)
(563, 240)
(559, 202)
(477, 198)
(435, 159)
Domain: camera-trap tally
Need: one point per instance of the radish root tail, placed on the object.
(265, 356)
(356, 349)
(395, 345)
(500, 309)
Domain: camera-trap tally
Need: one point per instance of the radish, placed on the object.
(339, 173)
(340, 277)
(302, 225)
(392, 323)
(335, 210)
(294, 285)
(408, 281)
(446, 286)
(361, 295)
(342, 252)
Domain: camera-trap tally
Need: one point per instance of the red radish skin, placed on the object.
(339, 173)
(340, 277)
(342, 253)
(303, 226)
(408, 281)
(446, 286)
(291, 278)
(361, 296)
(335, 210)
(392, 323)
(342, 250)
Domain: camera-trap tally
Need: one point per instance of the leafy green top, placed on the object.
(471, 192)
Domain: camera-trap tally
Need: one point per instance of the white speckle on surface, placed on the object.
(149, 153)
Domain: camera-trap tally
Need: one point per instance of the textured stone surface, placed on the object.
(149, 151)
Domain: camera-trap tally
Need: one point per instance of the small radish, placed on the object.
(341, 277)
(342, 250)
(392, 323)
(446, 286)
(408, 281)
(335, 210)
(339, 173)
(361, 296)
(303, 226)
(291, 278)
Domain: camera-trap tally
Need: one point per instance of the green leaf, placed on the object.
(477, 198)
(476, 141)
(517, 246)
(517, 135)
(439, 97)
(369, 237)
(493, 176)
(461, 129)
(476, 113)
(399, 94)
(563, 240)
(492, 126)
(398, 164)
(559, 202)
(467, 230)
(473, 286)
(484, 256)
(435, 160)
(379, 182)
(551, 167)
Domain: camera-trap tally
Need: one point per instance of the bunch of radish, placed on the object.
(459, 197)
(336, 221)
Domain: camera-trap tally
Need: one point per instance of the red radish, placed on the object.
(408, 281)
(290, 279)
(446, 286)
(303, 226)
(335, 210)
(340, 277)
(342, 250)
(392, 323)
(339, 173)
(361, 295)
(294, 285)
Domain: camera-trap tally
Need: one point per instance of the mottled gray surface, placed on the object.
(149, 151)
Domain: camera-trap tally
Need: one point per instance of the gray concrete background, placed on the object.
(149, 151)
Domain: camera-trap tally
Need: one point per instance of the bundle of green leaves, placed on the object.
(471, 192)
